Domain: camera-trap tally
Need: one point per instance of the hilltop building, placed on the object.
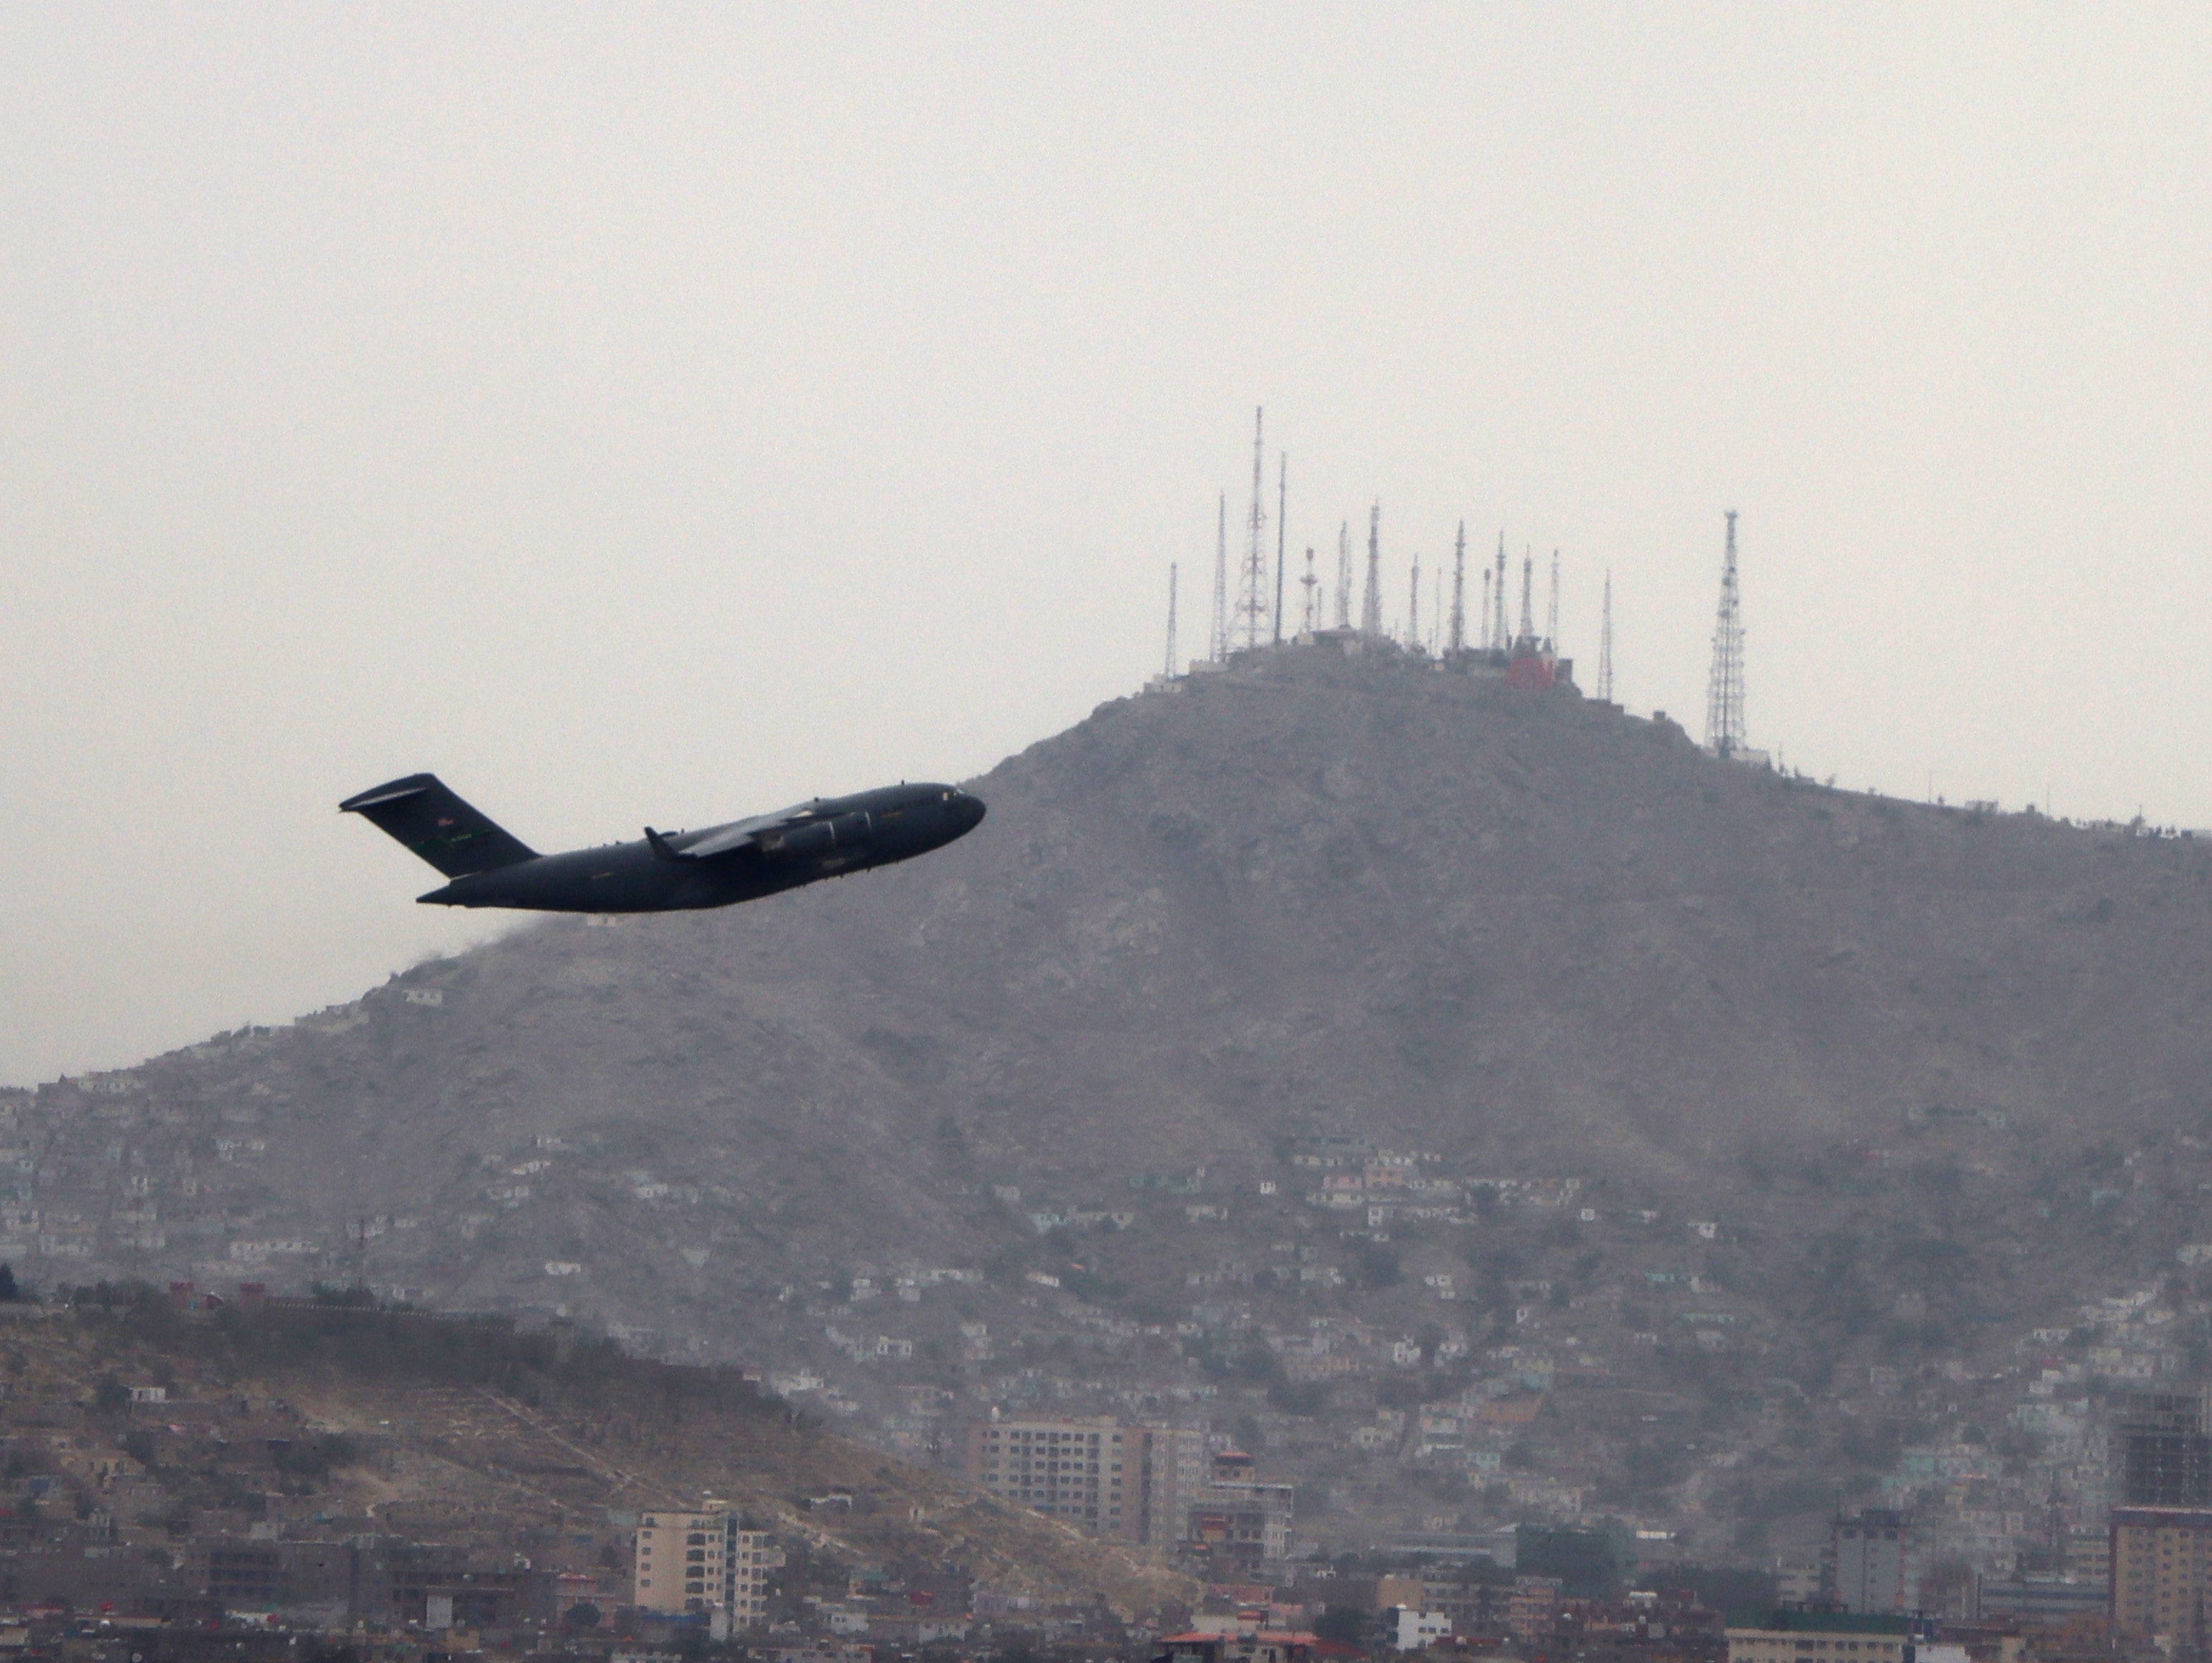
(702, 1562)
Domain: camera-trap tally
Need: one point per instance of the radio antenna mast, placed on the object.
(1724, 690)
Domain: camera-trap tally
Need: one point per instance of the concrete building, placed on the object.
(1824, 1637)
(1870, 1562)
(2161, 1453)
(1413, 1630)
(1237, 1521)
(2045, 1599)
(1130, 1483)
(702, 1563)
(2161, 1568)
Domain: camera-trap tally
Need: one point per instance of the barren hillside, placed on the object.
(1931, 1077)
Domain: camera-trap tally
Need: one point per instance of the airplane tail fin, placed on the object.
(421, 811)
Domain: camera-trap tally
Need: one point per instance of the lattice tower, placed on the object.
(1498, 638)
(1344, 576)
(1527, 585)
(1370, 609)
(1252, 590)
(1171, 618)
(1282, 517)
(1724, 727)
(1310, 619)
(1217, 641)
(1456, 642)
(1552, 608)
(1604, 644)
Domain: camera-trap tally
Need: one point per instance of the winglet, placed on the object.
(660, 847)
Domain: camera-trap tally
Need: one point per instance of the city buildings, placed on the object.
(1801, 1636)
(1131, 1483)
(704, 1561)
(1238, 1522)
(2163, 1457)
(2161, 1565)
(1870, 1562)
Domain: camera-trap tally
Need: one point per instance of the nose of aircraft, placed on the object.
(970, 810)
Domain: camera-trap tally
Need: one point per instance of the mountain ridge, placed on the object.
(1313, 895)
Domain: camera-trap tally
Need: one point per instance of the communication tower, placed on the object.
(1457, 641)
(1171, 621)
(1498, 639)
(1528, 582)
(1414, 608)
(1344, 589)
(1311, 620)
(1370, 609)
(1252, 591)
(1604, 644)
(1486, 609)
(1282, 515)
(1551, 609)
(1219, 645)
(1724, 727)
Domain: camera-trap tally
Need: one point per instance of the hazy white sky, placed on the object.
(659, 413)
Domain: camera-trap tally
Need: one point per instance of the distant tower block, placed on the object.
(1171, 619)
(1725, 729)
(1252, 591)
(1414, 608)
(1605, 645)
(1552, 608)
(1455, 643)
(1309, 620)
(1344, 576)
(1370, 610)
(1217, 641)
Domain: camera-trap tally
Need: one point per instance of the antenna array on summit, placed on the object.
(1250, 616)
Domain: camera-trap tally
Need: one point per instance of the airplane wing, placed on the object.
(738, 834)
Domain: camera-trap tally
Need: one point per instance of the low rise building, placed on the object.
(1797, 1636)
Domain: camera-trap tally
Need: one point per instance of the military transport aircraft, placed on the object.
(664, 872)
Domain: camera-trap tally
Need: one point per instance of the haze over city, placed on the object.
(659, 417)
(1604, 1101)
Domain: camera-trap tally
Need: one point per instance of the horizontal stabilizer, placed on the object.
(421, 811)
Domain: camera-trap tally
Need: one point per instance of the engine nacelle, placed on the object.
(816, 838)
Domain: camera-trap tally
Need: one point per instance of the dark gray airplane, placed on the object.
(664, 872)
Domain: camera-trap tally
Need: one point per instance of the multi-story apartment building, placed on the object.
(2161, 1575)
(1131, 1483)
(702, 1562)
(1871, 1564)
(1236, 1521)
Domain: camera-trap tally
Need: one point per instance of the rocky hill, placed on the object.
(334, 1423)
(1726, 1101)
